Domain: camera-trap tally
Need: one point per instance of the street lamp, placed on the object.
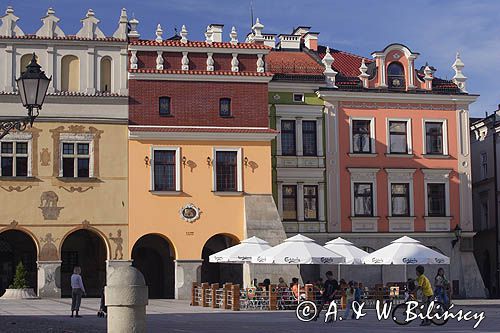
(458, 234)
(32, 87)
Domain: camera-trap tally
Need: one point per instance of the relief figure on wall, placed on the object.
(119, 244)
(48, 205)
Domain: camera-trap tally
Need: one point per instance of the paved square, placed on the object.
(177, 316)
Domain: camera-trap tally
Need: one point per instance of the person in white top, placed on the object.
(77, 291)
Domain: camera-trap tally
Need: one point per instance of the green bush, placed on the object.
(20, 278)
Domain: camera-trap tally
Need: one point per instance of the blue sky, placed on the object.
(435, 29)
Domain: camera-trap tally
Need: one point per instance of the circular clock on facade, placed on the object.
(190, 213)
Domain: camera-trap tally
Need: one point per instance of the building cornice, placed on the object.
(174, 133)
(293, 87)
(198, 77)
(198, 49)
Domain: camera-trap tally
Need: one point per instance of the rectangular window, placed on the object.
(164, 106)
(289, 202)
(434, 144)
(164, 170)
(484, 165)
(400, 199)
(288, 138)
(398, 139)
(226, 171)
(298, 98)
(310, 202)
(14, 159)
(361, 136)
(436, 199)
(225, 107)
(363, 199)
(75, 159)
(309, 138)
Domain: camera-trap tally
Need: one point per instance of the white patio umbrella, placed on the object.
(240, 253)
(352, 254)
(406, 251)
(298, 250)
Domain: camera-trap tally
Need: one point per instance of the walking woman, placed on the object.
(441, 286)
(77, 291)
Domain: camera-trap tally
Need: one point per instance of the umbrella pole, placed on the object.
(338, 272)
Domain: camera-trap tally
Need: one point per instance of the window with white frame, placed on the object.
(165, 169)
(362, 136)
(76, 158)
(14, 159)
(289, 194)
(399, 137)
(435, 136)
(310, 202)
(436, 199)
(400, 199)
(227, 170)
(288, 139)
(363, 199)
(484, 165)
(298, 98)
(309, 138)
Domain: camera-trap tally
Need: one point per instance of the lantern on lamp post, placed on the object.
(32, 86)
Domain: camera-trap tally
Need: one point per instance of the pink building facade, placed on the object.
(398, 159)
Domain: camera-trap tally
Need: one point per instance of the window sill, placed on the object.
(364, 217)
(18, 179)
(79, 179)
(437, 217)
(228, 193)
(403, 155)
(165, 193)
(362, 155)
(437, 156)
(226, 116)
(166, 115)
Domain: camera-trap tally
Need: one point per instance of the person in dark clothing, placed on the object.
(331, 286)
(103, 309)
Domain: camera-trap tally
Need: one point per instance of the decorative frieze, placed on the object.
(400, 106)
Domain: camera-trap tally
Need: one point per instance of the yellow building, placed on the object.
(63, 182)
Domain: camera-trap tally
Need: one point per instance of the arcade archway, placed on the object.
(17, 246)
(86, 249)
(220, 273)
(154, 256)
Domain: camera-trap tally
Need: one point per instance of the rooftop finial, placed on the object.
(133, 33)
(257, 32)
(9, 25)
(50, 28)
(159, 33)
(208, 35)
(121, 31)
(459, 78)
(90, 27)
(329, 72)
(234, 36)
(184, 34)
(364, 75)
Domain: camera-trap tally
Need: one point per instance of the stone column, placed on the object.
(319, 136)
(9, 68)
(300, 202)
(49, 279)
(111, 265)
(50, 68)
(186, 272)
(91, 71)
(299, 147)
(321, 201)
(123, 72)
(278, 138)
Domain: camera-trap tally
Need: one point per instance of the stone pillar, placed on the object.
(111, 265)
(278, 138)
(300, 202)
(49, 279)
(126, 297)
(299, 146)
(91, 71)
(186, 272)
(321, 201)
(50, 68)
(9, 68)
(319, 136)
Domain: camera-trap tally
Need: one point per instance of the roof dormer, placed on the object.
(395, 68)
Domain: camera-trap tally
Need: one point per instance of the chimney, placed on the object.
(301, 31)
(289, 42)
(270, 40)
(311, 40)
(216, 32)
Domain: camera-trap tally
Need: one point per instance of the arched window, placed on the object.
(25, 61)
(396, 75)
(70, 73)
(105, 74)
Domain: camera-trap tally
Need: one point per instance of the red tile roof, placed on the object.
(347, 64)
(68, 37)
(202, 129)
(197, 72)
(290, 62)
(178, 43)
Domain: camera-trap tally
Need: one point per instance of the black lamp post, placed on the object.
(32, 87)
(458, 234)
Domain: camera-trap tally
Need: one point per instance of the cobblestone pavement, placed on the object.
(178, 316)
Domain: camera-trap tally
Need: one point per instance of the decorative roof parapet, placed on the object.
(50, 28)
(329, 73)
(208, 35)
(9, 25)
(459, 78)
(121, 31)
(90, 27)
